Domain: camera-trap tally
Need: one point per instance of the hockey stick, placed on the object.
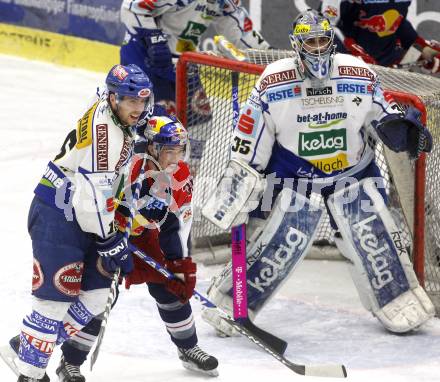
(239, 287)
(114, 285)
(335, 371)
(239, 282)
(239, 266)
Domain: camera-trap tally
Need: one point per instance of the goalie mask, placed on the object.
(168, 139)
(312, 40)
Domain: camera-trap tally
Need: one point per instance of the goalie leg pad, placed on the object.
(382, 270)
(284, 241)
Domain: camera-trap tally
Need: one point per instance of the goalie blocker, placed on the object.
(282, 243)
(237, 193)
(380, 264)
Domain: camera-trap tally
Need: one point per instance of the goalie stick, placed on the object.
(114, 285)
(239, 266)
(238, 235)
(334, 371)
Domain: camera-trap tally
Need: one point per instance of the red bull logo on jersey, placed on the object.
(384, 25)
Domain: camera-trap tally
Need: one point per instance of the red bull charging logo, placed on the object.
(384, 25)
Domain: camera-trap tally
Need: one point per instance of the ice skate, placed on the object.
(197, 360)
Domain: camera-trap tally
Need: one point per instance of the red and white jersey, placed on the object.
(185, 21)
(164, 210)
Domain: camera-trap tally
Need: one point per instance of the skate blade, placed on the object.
(9, 356)
(190, 366)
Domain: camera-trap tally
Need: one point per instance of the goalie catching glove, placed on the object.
(405, 134)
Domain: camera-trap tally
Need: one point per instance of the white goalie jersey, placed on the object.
(185, 21)
(297, 127)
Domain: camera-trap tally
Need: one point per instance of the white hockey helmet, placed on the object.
(312, 38)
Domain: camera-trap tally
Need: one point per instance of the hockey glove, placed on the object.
(115, 253)
(430, 54)
(158, 52)
(185, 271)
(419, 138)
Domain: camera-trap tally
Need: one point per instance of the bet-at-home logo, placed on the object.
(189, 38)
(321, 120)
(323, 142)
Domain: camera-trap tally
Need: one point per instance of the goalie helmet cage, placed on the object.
(204, 91)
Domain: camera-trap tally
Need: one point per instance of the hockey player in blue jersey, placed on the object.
(380, 33)
(309, 126)
(71, 223)
(162, 231)
(159, 30)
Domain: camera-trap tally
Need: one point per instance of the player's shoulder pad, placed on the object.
(278, 72)
(351, 66)
(84, 130)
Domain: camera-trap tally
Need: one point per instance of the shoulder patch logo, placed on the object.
(102, 147)
(84, 128)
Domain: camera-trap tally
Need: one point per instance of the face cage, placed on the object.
(318, 65)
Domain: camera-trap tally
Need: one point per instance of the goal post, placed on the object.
(204, 105)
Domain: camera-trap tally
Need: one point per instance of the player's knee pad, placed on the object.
(282, 244)
(89, 304)
(381, 269)
(94, 300)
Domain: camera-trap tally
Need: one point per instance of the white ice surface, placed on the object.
(317, 311)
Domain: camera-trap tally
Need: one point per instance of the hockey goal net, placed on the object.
(204, 104)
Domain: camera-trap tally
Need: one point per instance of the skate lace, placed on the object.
(197, 354)
(72, 370)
